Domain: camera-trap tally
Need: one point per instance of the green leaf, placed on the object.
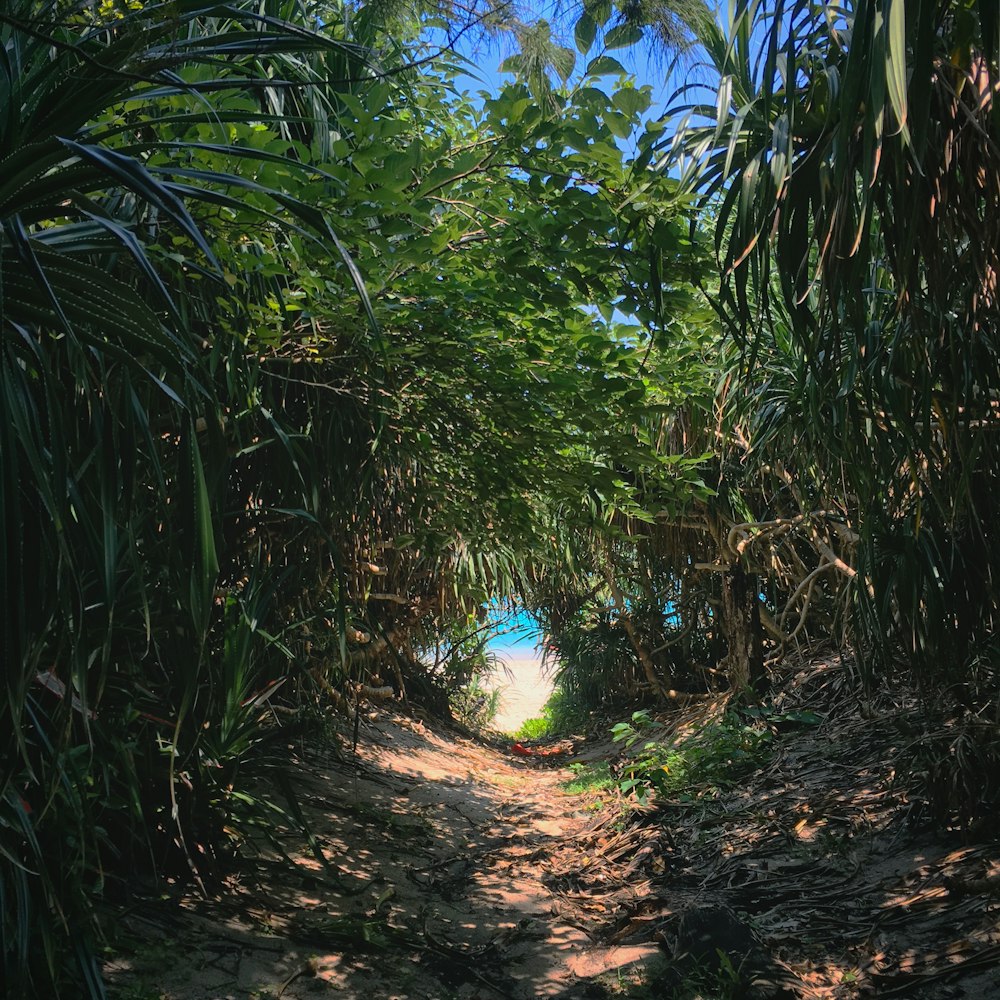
(895, 68)
(620, 125)
(623, 36)
(605, 66)
(206, 565)
(132, 174)
(631, 101)
(585, 32)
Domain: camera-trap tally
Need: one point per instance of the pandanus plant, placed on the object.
(849, 158)
(134, 204)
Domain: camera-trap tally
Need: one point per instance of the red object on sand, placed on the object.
(522, 751)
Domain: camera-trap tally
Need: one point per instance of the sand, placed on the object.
(446, 873)
(525, 691)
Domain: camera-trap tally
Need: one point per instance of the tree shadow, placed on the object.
(420, 878)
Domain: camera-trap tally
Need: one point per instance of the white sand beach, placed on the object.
(524, 692)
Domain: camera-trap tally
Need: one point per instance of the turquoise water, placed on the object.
(520, 634)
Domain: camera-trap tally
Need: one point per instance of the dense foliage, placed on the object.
(308, 355)
(271, 414)
(852, 157)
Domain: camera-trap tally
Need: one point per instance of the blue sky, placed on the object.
(648, 65)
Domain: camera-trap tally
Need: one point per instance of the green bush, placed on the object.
(708, 760)
(535, 729)
(563, 713)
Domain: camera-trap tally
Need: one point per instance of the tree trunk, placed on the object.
(741, 623)
(660, 687)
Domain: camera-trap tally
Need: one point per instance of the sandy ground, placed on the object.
(455, 870)
(437, 888)
(525, 690)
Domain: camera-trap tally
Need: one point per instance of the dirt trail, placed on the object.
(457, 872)
(441, 845)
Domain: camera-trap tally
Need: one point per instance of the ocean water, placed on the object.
(522, 682)
(520, 635)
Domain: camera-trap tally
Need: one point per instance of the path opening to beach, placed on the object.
(525, 687)
(523, 678)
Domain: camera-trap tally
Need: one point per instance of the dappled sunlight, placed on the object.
(433, 875)
(453, 869)
(327, 378)
(813, 850)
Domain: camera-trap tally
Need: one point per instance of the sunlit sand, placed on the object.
(524, 692)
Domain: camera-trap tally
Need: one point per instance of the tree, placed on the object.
(128, 139)
(850, 164)
(267, 412)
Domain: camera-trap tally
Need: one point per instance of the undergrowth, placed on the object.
(476, 704)
(703, 762)
(534, 729)
(589, 778)
(561, 714)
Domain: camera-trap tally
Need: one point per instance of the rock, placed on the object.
(713, 943)
(705, 933)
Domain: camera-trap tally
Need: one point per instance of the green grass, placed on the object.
(561, 714)
(589, 778)
(534, 729)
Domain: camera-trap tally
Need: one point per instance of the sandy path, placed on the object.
(439, 848)
(459, 873)
(525, 689)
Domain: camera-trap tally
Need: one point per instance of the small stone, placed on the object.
(703, 932)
